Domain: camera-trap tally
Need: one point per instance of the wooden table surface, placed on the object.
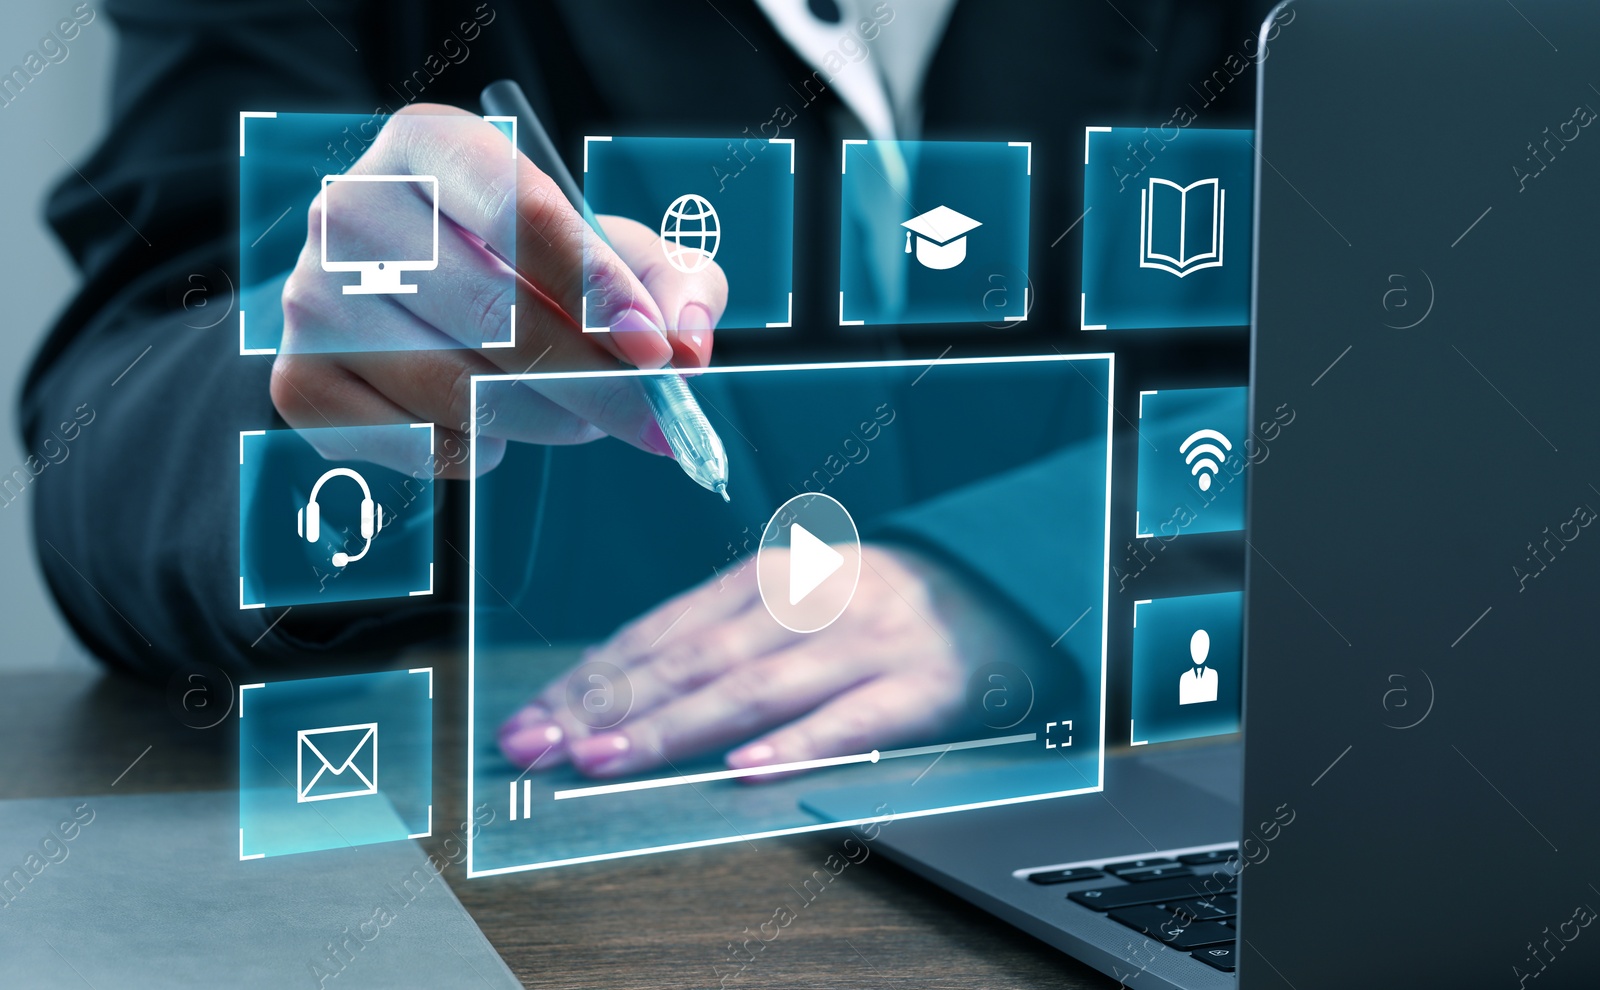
(649, 922)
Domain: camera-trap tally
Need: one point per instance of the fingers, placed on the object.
(493, 193)
(680, 619)
(432, 385)
(471, 159)
(342, 398)
(575, 270)
(879, 713)
(692, 303)
(492, 204)
(345, 399)
(687, 663)
(468, 297)
(748, 698)
(656, 635)
(436, 387)
(530, 739)
(424, 380)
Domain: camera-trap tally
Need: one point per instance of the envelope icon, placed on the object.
(343, 760)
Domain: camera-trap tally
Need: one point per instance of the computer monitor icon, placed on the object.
(380, 268)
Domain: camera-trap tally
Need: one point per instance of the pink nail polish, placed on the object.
(639, 337)
(758, 755)
(596, 753)
(532, 742)
(694, 332)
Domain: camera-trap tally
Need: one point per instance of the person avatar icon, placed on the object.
(1199, 683)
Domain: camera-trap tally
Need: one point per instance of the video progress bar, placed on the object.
(833, 761)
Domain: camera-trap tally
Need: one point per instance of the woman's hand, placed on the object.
(711, 669)
(356, 359)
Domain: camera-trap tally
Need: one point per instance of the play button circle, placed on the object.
(809, 562)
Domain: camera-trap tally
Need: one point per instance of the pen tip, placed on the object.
(723, 491)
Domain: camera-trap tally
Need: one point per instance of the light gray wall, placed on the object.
(59, 114)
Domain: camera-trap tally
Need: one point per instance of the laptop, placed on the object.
(1414, 799)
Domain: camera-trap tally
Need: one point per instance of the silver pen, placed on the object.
(694, 443)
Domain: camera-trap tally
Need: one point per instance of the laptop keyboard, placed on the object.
(1184, 900)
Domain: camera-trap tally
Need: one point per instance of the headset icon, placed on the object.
(308, 521)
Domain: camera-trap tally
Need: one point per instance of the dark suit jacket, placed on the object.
(138, 531)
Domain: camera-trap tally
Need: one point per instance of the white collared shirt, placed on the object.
(883, 86)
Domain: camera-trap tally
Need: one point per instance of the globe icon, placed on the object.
(691, 232)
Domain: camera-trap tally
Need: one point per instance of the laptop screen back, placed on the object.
(1420, 660)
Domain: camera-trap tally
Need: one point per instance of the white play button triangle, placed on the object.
(811, 562)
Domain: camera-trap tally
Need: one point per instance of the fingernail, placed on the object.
(641, 340)
(757, 755)
(652, 437)
(531, 742)
(597, 753)
(694, 333)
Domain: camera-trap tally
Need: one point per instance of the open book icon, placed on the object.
(1181, 227)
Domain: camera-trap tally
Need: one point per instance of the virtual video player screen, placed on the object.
(900, 610)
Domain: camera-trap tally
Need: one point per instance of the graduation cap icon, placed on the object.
(941, 236)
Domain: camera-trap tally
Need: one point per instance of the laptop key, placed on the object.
(1153, 892)
(1220, 956)
(1132, 865)
(1172, 930)
(1218, 908)
(1066, 876)
(1155, 873)
(1213, 858)
(1200, 935)
(1148, 919)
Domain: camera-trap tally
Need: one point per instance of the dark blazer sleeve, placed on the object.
(1035, 536)
(140, 383)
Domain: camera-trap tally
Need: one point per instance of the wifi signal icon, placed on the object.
(1205, 458)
